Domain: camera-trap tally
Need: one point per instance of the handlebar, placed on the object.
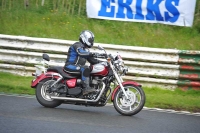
(98, 55)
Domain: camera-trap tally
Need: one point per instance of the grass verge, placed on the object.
(178, 100)
(45, 22)
(155, 97)
(10, 83)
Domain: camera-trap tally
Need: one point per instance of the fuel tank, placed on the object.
(99, 69)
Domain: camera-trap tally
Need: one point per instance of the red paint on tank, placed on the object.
(104, 72)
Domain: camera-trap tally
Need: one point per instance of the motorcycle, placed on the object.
(54, 87)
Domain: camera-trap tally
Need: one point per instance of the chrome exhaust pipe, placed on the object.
(79, 99)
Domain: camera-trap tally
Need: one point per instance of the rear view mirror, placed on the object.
(100, 48)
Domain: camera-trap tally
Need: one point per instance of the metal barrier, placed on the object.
(167, 68)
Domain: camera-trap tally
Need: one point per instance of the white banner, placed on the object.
(172, 12)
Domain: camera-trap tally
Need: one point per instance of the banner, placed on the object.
(172, 12)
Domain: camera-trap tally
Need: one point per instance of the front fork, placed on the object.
(119, 80)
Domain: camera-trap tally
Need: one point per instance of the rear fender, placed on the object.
(43, 76)
(124, 83)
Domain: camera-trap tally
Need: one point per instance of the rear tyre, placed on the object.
(43, 96)
(134, 103)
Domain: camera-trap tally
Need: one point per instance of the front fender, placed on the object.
(124, 83)
(43, 76)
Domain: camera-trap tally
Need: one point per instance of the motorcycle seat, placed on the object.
(59, 70)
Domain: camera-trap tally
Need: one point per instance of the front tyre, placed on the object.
(43, 95)
(134, 103)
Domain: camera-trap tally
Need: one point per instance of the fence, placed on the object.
(73, 7)
(167, 68)
(69, 6)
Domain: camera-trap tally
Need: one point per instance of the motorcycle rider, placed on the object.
(78, 53)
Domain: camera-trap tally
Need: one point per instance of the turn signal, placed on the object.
(108, 59)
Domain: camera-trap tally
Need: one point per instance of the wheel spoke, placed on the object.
(132, 103)
(130, 108)
(137, 102)
(136, 93)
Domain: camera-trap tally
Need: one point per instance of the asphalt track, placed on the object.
(23, 114)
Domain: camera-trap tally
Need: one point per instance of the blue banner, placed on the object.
(173, 12)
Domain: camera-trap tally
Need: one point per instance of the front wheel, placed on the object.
(43, 95)
(134, 103)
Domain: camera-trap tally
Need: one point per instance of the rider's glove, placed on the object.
(103, 55)
(93, 54)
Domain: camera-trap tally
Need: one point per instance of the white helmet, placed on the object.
(87, 38)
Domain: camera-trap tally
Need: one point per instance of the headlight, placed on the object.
(121, 63)
(125, 71)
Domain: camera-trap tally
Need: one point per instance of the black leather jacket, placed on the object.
(78, 55)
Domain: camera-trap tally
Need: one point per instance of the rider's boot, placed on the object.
(86, 86)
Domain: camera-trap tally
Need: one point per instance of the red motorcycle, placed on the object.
(54, 86)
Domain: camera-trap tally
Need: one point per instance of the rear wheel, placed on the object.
(131, 105)
(43, 95)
